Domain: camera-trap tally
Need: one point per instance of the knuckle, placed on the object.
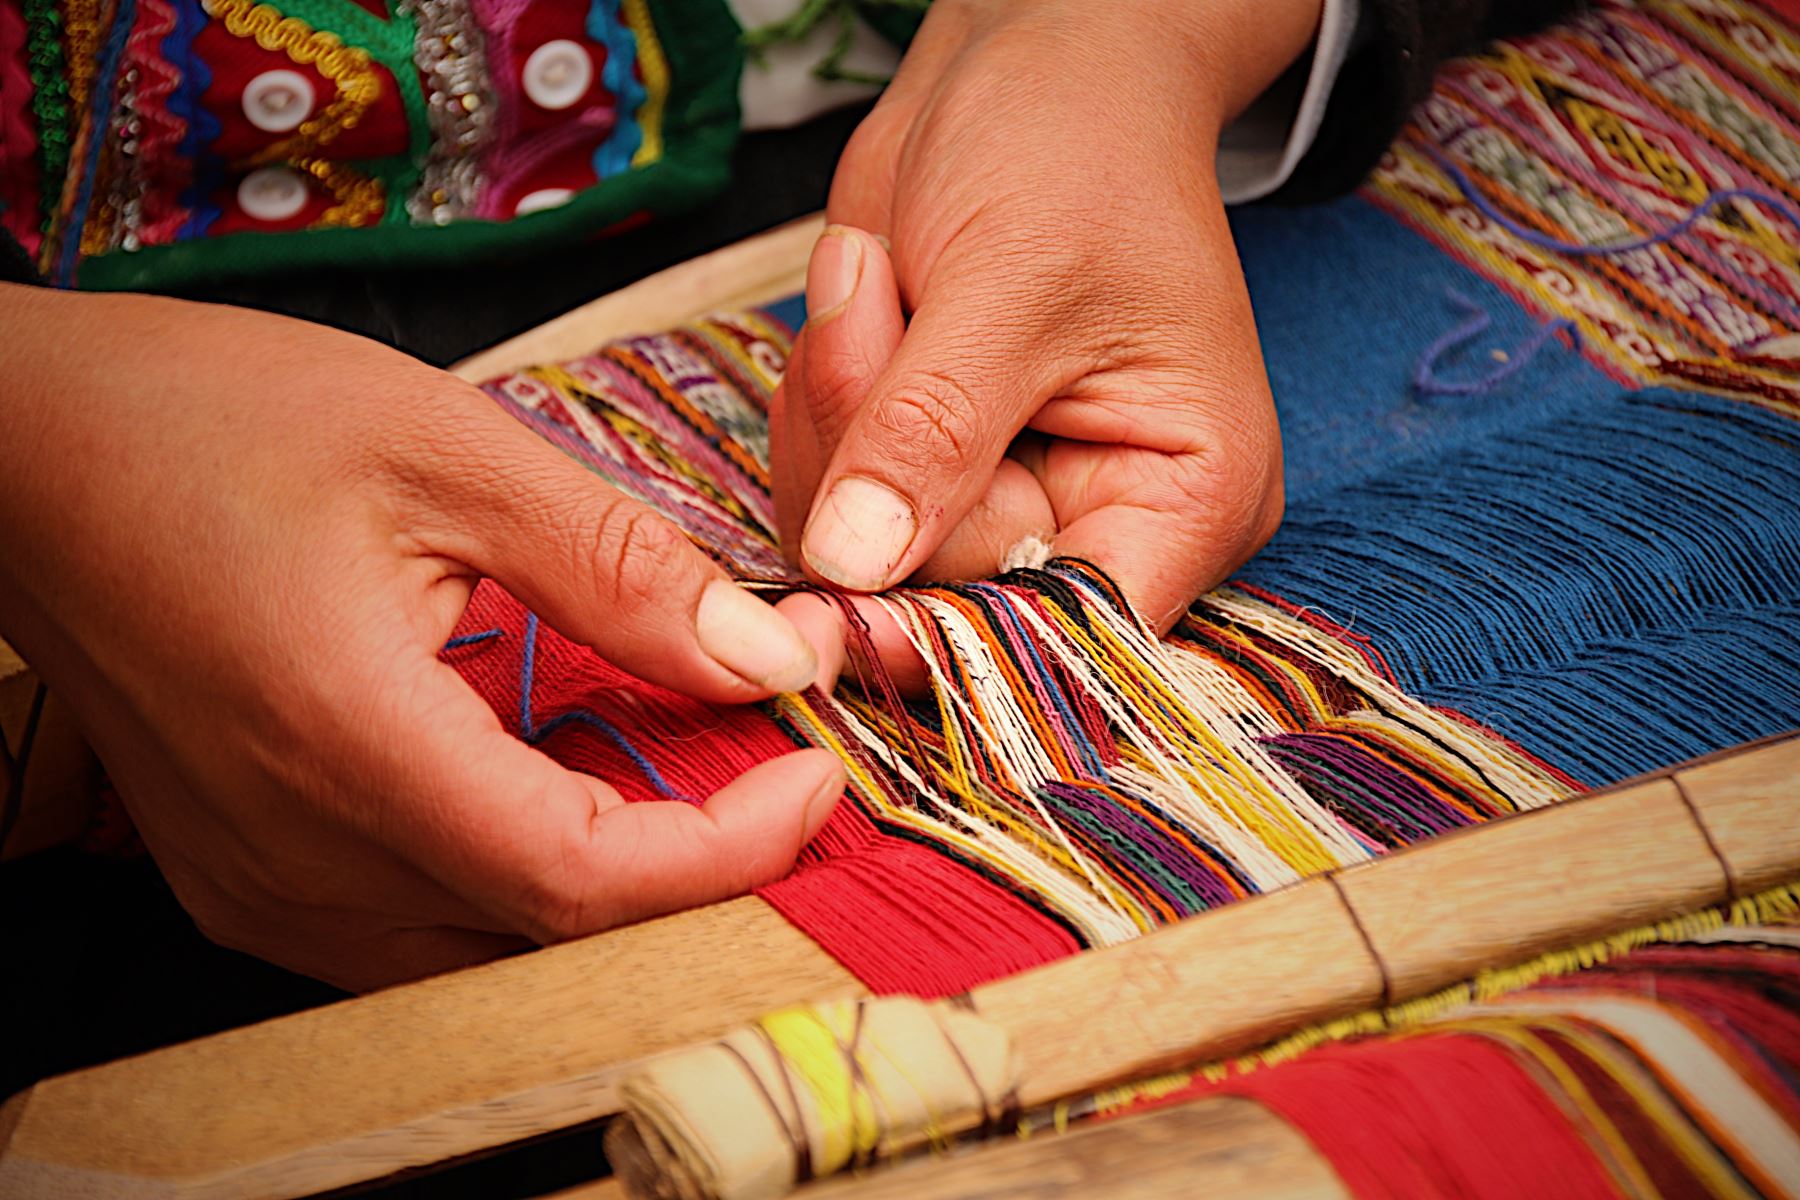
(551, 907)
(933, 418)
(634, 553)
(554, 914)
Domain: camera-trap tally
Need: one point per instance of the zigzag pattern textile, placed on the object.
(1481, 602)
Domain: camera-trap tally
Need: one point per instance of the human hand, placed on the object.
(235, 544)
(1081, 363)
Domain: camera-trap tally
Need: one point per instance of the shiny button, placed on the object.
(278, 101)
(541, 199)
(272, 193)
(558, 74)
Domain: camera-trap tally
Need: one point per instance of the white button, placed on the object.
(272, 193)
(277, 101)
(557, 74)
(539, 200)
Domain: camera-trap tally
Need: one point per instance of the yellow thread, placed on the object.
(654, 69)
(348, 67)
(357, 199)
(812, 1041)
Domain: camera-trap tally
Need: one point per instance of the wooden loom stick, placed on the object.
(1221, 1146)
(410, 1076)
(1402, 926)
(770, 266)
(479, 1058)
(1407, 925)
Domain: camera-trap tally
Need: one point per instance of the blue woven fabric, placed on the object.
(1609, 577)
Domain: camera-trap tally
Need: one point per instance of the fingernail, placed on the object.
(858, 534)
(833, 273)
(752, 640)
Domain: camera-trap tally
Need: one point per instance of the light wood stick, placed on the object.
(769, 266)
(1731, 797)
(1224, 981)
(1403, 926)
(1222, 1146)
(1414, 922)
(1530, 884)
(472, 1060)
(410, 1076)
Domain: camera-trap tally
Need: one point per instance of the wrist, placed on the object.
(1214, 56)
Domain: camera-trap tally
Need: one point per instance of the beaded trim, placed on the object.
(449, 51)
(357, 199)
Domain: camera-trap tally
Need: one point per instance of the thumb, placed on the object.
(602, 568)
(553, 853)
(920, 451)
(853, 326)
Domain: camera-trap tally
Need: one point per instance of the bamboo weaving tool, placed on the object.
(322, 1098)
(1373, 936)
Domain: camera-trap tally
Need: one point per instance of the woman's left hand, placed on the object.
(1080, 363)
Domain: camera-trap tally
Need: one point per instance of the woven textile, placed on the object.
(1673, 1070)
(1551, 565)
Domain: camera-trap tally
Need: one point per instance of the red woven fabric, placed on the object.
(1430, 1116)
(955, 930)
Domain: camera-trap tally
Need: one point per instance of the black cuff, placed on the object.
(15, 264)
(1384, 78)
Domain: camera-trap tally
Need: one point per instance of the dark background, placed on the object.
(98, 958)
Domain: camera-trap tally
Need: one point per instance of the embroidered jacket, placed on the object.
(158, 143)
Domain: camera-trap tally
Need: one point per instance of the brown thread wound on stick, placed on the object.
(1731, 884)
(857, 1077)
(798, 1142)
(987, 1115)
(1387, 982)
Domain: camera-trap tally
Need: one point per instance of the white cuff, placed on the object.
(1259, 150)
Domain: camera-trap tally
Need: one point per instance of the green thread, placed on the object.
(894, 19)
(49, 103)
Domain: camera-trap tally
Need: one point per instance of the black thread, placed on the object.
(1387, 983)
(1731, 884)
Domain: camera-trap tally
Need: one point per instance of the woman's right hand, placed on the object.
(234, 545)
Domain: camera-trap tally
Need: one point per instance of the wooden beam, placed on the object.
(1402, 926)
(409, 1076)
(1223, 1146)
(1412, 923)
(464, 1062)
(770, 266)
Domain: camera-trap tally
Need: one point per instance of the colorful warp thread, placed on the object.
(1668, 1070)
(1482, 599)
(1071, 781)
